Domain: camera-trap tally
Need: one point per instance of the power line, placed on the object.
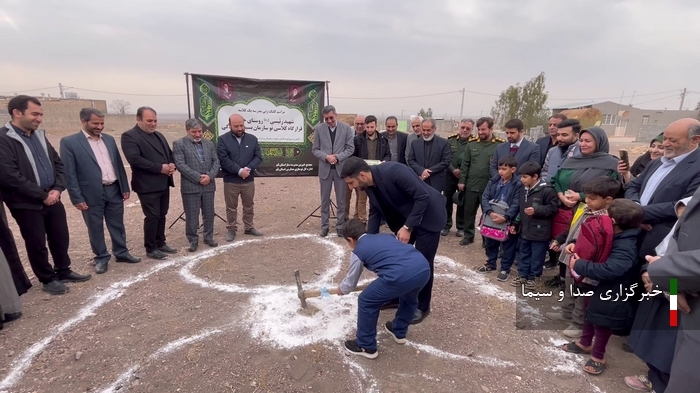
(658, 99)
(127, 94)
(395, 98)
(614, 97)
(27, 91)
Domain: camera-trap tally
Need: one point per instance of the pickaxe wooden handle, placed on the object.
(303, 295)
(332, 291)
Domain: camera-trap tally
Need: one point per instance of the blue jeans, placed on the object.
(509, 248)
(532, 255)
(380, 292)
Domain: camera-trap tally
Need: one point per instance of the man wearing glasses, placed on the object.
(458, 143)
(332, 145)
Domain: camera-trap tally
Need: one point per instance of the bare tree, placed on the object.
(120, 107)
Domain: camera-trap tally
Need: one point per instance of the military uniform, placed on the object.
(457, 148)
(474, 174)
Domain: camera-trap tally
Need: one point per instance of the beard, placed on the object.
(428, 138)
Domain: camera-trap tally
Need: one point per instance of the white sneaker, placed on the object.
(573, 331)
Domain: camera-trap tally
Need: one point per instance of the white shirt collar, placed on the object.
(676, 160)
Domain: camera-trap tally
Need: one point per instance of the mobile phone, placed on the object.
(624, 156)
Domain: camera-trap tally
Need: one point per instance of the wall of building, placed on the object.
(636, 118)
(62, 114)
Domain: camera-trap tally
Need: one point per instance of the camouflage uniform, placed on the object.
(474, 174)
(457, 148)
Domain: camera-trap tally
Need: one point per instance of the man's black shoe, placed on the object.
(554, 282)
(12, 317)
(419, 316)
(101, 267)
(167, 249)
(352, 348)
(156, 254)
(211, 243)
(466, 242)
(193, 247)
(128, 258)
(324, 232)
(55, 288)
(252, 232)
(74, 277)
(444, 232)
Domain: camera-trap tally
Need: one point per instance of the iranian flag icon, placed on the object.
(673, 299)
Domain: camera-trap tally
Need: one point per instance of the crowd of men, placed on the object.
(89, 166)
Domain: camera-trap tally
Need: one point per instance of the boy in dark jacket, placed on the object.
(402, 271)
(538, 204)
(503, 188)
(610, 310)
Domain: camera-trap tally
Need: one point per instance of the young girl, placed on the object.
(606, 311)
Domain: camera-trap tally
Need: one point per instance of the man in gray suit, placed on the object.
(332, 145)
(97, 186)
(682, 262)
(198, 163)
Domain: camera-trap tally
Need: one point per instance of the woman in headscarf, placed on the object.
(656, 150)
(568, 182)
(10, 305)
(576, 171)
(9, 247)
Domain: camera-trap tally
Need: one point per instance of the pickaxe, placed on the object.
(303, 295)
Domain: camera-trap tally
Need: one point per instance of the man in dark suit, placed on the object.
(152, 168)
(667, 180)
(198, 164)
(681, 262)
(239, 155)
(414, 211)
(397, 140)
(31, 182)
(98, 186)
(517, 146)
(430, 157)
(369, 145)
(549, 141)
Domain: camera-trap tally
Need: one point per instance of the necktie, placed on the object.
(513, 149)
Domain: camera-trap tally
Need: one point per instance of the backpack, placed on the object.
(594, 243)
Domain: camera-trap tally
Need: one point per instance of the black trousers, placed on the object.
(155, 208)
(659, 379)
(450, 188)
(426, 243)
(39, 226)
(9, 248)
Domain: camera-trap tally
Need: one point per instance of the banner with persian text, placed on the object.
(280, 113)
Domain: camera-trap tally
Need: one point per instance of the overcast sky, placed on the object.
(593, 49)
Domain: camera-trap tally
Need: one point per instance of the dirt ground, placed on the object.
(228, 319)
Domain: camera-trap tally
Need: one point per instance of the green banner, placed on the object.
(280, 113)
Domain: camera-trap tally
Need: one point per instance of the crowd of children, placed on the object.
(517, 220)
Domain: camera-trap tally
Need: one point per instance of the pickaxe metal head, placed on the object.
(300, 290)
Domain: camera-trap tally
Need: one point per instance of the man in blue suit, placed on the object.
(517, 146)
(97, 186)
(413, 210)
(239, 156)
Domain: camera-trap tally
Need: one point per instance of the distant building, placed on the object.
(628, 121)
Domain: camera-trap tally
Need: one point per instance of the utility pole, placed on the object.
(685, 90)
(461, 111)
(60, 88)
